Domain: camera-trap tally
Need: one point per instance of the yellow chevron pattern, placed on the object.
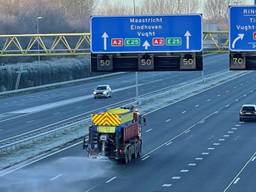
(106, 119)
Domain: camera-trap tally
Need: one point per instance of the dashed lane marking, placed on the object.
(168, 120)
(176, 177)
(144, 158)
(230, 132)
(147, 131)
(221, 139)
(184, 170)
(205, 153)
(216, 144)
(211, 148)
(236, 181)
(110, 180)
(226, 135)
(56, 177)
(167, 185)
(187, 131)
(192, 164)
(234, 128)
(199, 158)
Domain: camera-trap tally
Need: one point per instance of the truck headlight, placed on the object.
(94, 92)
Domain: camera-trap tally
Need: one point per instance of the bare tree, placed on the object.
(110, 8)
(169, 6)
(216, 11)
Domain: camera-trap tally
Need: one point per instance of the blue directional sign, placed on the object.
(136, 34)
(242, 28)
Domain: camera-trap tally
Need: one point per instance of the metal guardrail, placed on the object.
(18, 141)
(68, 44)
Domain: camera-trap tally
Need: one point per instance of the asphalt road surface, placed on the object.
(194, 145)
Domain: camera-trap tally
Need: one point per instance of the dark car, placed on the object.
(248, 112)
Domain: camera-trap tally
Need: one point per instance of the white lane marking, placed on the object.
(168, 120)
(236, 181)
(245, 95)
(144, 158)
(147, 131)
(205, 153)
(20, 166)
(230, 132)
(237, 125)
(184, 170)
(167, 185)
(216, 144)
(183, 112)
(208, 100)
(221, 139)
(88, 190)
(253, 159)
(225, 135)
(187, 131)
(196, 106)
(176, 177)
(112, 179)
(234, 128)
(64, 120)
(15, 117)
(167, 144)
(199, 158)
(241, 170)
(218, 95)
(228, 105)
(211, 148)
(237, 100)
(56, 177)
(192, 164)
(241, 122)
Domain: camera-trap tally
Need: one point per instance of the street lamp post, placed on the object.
(37, 31)
(136, 73)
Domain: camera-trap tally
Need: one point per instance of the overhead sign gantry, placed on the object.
(146, 43)
(242, 35)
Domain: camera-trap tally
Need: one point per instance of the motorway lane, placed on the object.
(182, 151)
(213, 63)
(150, 81)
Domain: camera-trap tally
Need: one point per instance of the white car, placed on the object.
(102, 91)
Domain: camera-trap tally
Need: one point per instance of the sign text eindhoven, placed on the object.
(242, 28)
(136, 34)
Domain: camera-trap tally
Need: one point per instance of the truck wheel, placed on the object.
(126, 160)
(129, 155)
(139, 150)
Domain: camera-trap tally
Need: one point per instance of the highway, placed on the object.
(197, 144)
(31, 111)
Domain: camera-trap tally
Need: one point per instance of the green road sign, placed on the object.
(173, 41)
(132, 42)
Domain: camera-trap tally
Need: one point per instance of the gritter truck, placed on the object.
(115, 134)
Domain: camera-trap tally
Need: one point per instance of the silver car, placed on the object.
(102, 91)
